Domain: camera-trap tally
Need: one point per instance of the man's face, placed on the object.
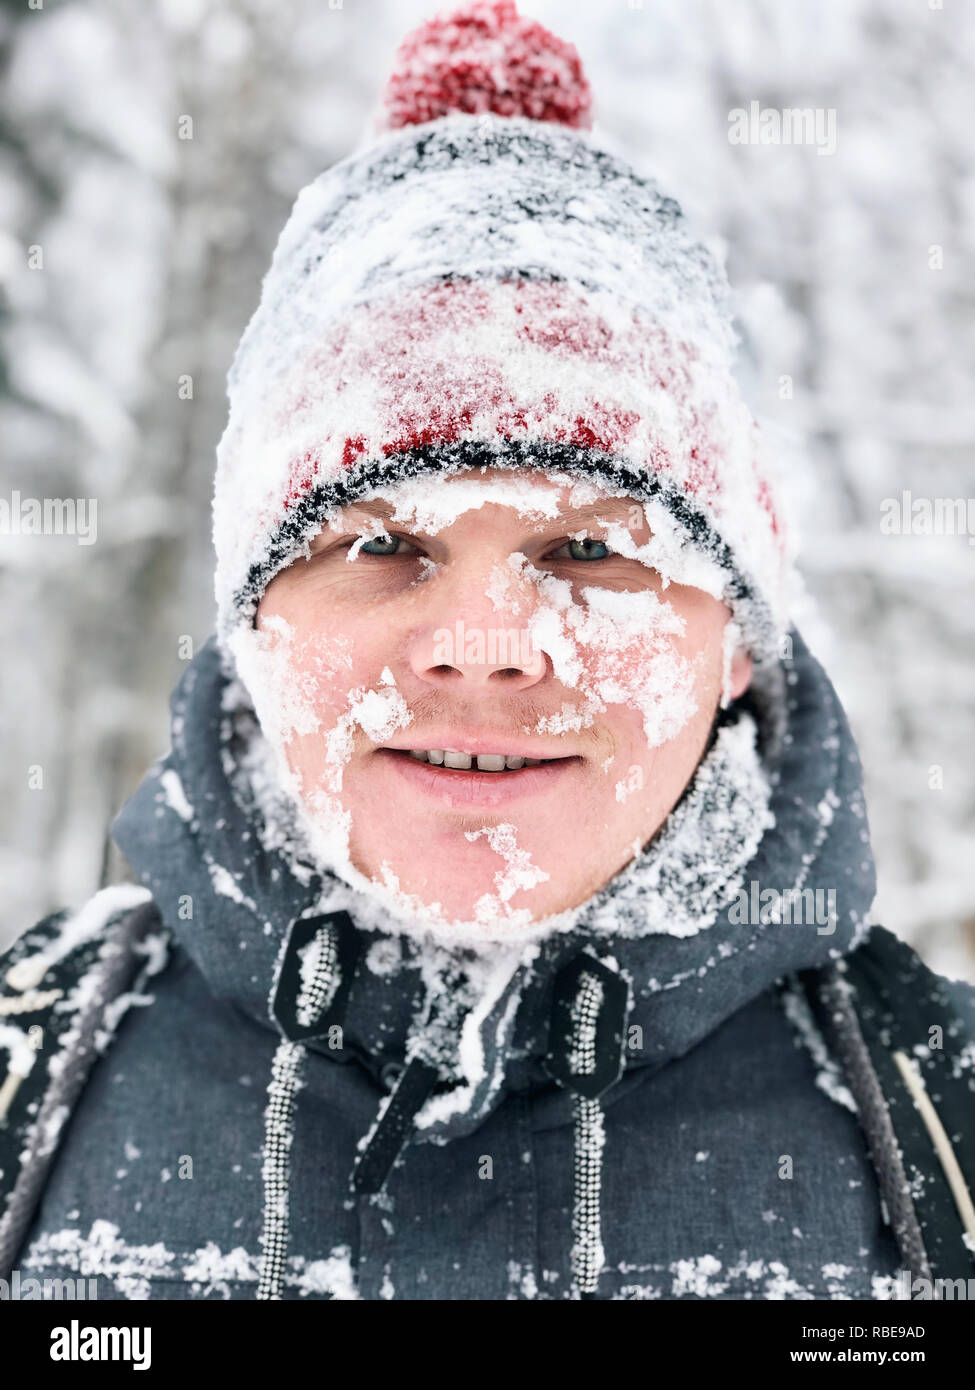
(511, 627)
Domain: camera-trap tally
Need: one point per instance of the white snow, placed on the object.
(78, 927)
(21, 1055)
(829, 1076)
(175, 795)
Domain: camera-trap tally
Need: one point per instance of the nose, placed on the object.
(464, 638)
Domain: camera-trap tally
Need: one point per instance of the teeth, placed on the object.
(484, 762)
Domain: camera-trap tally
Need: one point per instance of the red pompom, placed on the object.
(486, 57)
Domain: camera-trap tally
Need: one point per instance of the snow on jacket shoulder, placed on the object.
(64, 986)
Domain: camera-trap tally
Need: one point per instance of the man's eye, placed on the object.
(583, 550)
(386, 545)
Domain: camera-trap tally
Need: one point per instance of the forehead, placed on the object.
(436, 500)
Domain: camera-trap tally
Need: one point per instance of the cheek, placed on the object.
(638, 661)
(336, 673)
(322, 664)
(296, 678)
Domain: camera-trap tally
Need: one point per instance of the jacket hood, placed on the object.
(685, 924)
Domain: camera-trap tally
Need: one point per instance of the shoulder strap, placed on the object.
(58, 983)
(886, 1013)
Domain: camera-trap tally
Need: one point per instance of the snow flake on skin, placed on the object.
(132, 1269)
(285, 696)
(289, 685)
(628, 655)
(612, 624)
(519, 873)
(618, 631)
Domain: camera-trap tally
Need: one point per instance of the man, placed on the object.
(505, 929)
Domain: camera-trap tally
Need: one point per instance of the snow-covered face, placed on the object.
(499, 613)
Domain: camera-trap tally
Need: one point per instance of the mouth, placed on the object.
(462, 779)
(452, 760)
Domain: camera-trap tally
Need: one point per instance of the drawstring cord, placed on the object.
(317, 982)
(587, 1252)
(278, 1134)
(846, 1037)
(909, 1070)
(589, 1139)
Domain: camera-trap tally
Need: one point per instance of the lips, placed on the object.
(470, 787)
(475, 743)
(452, 760)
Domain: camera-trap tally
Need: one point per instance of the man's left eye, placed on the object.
(388, 545)
(583, 550)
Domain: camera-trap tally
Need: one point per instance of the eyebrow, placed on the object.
(384, 510)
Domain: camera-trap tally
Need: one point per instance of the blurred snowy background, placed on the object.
(855, 272)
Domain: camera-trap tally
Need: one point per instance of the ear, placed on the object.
(740, 675)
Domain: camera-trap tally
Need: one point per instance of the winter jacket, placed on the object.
(214, 1087)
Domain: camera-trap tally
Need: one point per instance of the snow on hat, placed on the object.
(482, 284)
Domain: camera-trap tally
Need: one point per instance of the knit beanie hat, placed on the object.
(481, 284)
